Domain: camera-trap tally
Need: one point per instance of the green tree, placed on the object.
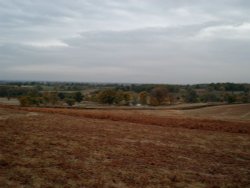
(191, 95)
(78, 96)
(122, 97)
(24, 101)
(126, 98)
(30, 101)
(61, 95)
(231, 98)
(118, 97)
(70, 101)
(107, 96)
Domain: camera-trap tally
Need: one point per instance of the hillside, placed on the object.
(101, 148)
(233, 112)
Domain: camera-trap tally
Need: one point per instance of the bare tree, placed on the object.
(159, 93)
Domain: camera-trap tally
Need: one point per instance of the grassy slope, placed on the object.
(233, 112)
(55, 150)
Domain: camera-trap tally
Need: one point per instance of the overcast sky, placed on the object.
(139, 41)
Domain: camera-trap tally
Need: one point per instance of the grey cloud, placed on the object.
(127, 41)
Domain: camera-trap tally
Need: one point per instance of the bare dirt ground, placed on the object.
(46, 147)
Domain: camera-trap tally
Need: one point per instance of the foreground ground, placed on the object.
(98, 148)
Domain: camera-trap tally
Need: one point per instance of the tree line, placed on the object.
(123, 94)
(50, 98)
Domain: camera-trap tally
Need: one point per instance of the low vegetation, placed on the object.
(46, 143)
(48, 147)
(59, 94)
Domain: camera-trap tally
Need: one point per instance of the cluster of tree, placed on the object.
(223, 87)
(14, 91)
(53, 93)
(212, 96)
(146, 87)
(112, 96)
(50, 98)
(156, 96)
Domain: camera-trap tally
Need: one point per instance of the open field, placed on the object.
(12, 101)
(232, 112)
(47, 147)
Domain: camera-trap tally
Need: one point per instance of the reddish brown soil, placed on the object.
(96, 148)
(138, 116)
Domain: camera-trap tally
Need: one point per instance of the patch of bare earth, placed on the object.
(76, 148)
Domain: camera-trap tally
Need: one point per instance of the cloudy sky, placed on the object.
(139, 41)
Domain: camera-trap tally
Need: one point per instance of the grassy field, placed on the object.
(12, 101)
(46, 147)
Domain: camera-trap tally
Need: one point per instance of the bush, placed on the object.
(30, 101)
(70, 101)
(78, 96)
(107, 96)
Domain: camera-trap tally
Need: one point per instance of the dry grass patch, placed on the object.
(55, 150)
